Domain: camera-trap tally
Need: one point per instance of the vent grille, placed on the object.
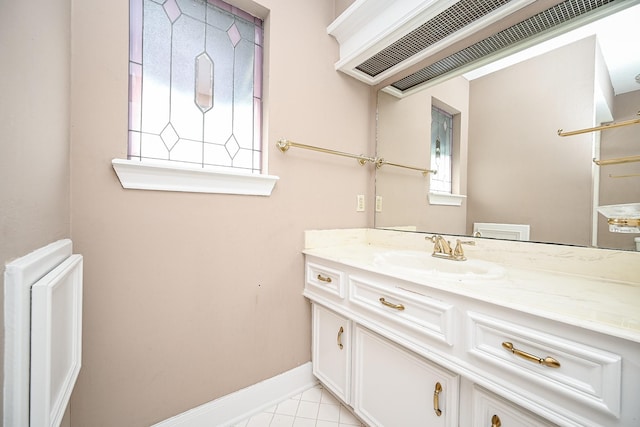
(437, 28)
(558, 14)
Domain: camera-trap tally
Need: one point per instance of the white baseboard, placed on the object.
(235, 407)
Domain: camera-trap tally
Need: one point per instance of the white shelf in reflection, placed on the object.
(622, 218)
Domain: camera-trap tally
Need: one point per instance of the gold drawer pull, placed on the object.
(495, 421)
(392, 305)
(324, 279)
(436, 399)
(340, 332)
(547, 361)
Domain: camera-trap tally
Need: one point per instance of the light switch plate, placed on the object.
(378, 203)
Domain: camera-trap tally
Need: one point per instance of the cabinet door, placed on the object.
(394, 387)
(490, 410)
(331, 351)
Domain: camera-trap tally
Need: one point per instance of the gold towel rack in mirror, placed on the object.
(284, 144)
(628, 159)
(629, 175)
(602, 127)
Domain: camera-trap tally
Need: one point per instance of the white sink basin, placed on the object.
(422, 263)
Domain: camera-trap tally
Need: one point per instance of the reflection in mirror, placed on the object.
(510, 168)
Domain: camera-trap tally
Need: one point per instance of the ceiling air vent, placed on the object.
(379, 38)
(425, 41)
(543, 21)
(447, 22)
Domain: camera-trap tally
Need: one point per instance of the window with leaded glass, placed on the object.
(441, 150)
(195, 84)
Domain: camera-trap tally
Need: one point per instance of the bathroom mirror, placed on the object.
(510, 165)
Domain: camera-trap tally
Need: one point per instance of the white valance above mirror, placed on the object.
(410, 42)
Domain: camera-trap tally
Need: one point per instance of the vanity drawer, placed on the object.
(325, 280)
(491, 410)
(418, 313)
(586, 374)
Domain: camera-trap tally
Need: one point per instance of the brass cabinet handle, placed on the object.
(392, 305)
(495, 421)
(324, 279)
(547, 361)
(340, 332)
(436, 399)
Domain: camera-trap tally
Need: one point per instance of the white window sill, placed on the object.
(446, 199)
(134, 174)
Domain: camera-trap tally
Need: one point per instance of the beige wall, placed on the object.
(616, 143)
(520, 171)
(341, 6)
(34, 122)
(188, 297)
(603, 88)
(404, 136)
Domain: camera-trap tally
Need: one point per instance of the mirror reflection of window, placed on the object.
(441, 150)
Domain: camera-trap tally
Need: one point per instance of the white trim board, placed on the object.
(19, 276)
(242, 404)
(167, 177)
(56, 342)
(502, 231)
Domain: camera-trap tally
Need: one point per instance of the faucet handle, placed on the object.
(440, 245)
(458, 252)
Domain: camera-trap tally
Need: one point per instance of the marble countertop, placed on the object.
(609, 305)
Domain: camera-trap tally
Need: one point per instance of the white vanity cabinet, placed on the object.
(403, 353)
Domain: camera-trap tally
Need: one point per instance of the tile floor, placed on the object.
(315, 407)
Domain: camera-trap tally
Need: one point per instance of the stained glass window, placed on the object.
(441, 150)
(195, 84)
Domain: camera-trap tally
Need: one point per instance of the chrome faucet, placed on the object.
(442, 248)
